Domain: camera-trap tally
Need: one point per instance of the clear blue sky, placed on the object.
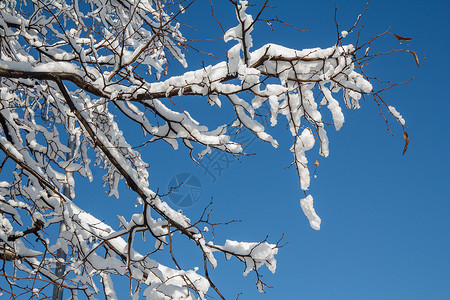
(385, 217)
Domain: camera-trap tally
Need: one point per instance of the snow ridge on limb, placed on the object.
(308, 210)
(99, 49)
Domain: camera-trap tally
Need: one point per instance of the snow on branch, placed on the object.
(73, 70)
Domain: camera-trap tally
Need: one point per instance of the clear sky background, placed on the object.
(385, 217)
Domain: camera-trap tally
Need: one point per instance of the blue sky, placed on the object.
(385, 217)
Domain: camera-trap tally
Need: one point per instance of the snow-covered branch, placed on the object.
(72, 70)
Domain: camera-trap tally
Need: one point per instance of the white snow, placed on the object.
(288, 81)
(308, 210)
(397, 115)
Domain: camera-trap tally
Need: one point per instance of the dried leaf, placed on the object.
(316, 163)
(415, 56)
(402, 38)
(405, 136)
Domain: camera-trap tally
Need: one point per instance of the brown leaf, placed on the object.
(316, 163)
(415, 56)
(402, 38)
(405, 136)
